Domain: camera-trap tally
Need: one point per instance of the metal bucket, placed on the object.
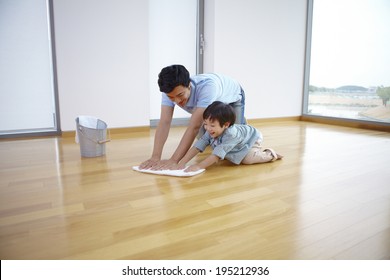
(92, 136)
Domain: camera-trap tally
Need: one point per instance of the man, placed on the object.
(193, 94)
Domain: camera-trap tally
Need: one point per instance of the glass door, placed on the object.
(348, 60)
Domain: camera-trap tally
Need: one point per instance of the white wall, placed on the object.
(261, 43)
(172, 40)
(103, 56)
(103, 61)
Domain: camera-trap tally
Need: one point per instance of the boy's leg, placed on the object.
(257, 155)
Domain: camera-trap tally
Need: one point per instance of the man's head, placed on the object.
(174, 81)
(173, 76)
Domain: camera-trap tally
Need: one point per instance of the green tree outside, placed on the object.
(384, 94)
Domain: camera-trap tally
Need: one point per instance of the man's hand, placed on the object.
(165, 164)
(150, 163)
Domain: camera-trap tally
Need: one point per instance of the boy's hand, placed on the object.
(178, 166)
(192, 168)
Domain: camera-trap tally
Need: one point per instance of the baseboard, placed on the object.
(272, 120)
(27, 136)
(178, 122)
(184, 122)
(175, 122)
(112, 131)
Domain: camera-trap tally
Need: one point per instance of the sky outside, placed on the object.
(350, 43)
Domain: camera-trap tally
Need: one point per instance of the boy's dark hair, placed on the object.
(221, 112)
(173, 76)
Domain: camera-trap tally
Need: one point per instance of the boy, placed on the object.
(193, 95)
(239, 144)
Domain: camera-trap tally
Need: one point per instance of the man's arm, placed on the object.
(186, 141)
(160, 137)
(192, 130)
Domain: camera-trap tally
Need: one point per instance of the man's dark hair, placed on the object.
(173, 76)
(221, 112)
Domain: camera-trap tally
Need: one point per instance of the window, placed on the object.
(348, 62)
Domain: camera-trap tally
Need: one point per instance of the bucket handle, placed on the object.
(93, 140)
(104, 141)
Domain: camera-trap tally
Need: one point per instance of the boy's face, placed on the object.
(180, 95)
(214, 128)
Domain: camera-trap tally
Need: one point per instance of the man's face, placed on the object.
(180, 95)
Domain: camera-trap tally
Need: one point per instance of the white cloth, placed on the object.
(178, 173)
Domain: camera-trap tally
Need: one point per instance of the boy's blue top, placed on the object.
(234, 143)
(207, 88)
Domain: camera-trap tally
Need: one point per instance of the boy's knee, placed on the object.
(247, 160)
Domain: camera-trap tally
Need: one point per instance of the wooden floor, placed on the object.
(329, 198)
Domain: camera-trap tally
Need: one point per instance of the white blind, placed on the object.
(26, 76)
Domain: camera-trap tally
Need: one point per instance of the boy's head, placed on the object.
(221, 112)
(173, 76)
